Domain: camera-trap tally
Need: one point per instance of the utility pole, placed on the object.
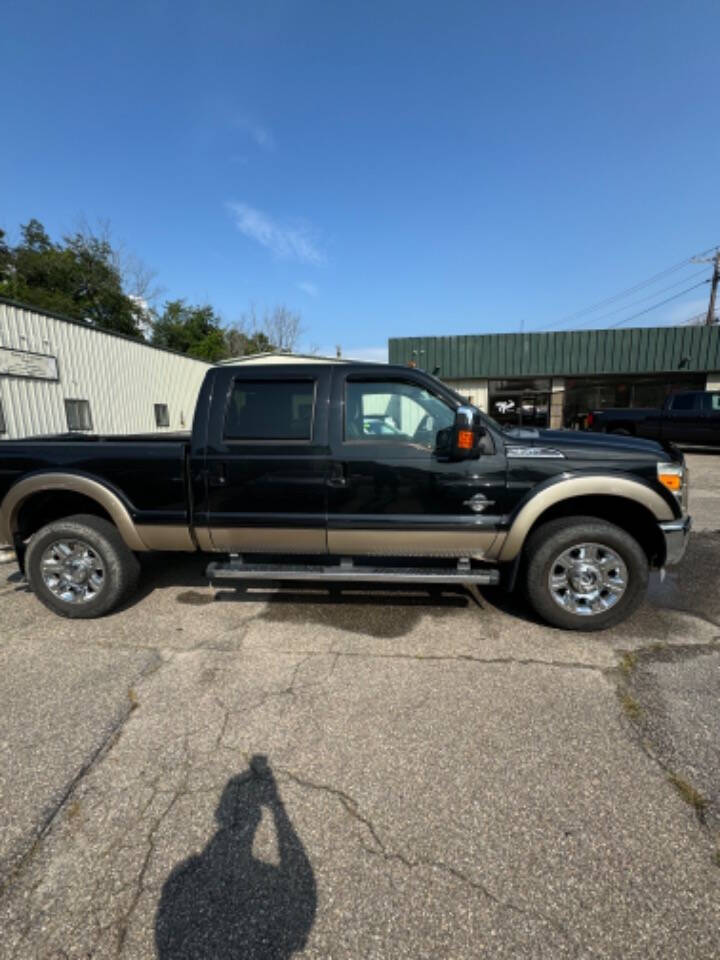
(715, 261)
(710, 319)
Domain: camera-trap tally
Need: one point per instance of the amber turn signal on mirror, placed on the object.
(465, 439)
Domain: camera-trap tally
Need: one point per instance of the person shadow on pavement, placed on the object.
(225, 904)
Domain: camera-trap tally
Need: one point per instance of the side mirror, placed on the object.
(461, 441)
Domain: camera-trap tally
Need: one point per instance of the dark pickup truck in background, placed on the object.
(361, 472)
(692, 418)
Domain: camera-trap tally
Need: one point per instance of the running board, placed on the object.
(237, 570)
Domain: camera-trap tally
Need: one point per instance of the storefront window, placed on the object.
(520, 402)
(585, 394)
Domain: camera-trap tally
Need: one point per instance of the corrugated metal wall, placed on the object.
(573, 353)
(122, 379)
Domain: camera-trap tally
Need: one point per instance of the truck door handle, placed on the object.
(338, 475)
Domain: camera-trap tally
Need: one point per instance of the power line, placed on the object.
(656, 305)
(648, 296)
(628, 291)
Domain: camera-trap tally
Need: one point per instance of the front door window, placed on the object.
(394, 413)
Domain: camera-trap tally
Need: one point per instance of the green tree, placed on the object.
(194, 330)
(241, 343)
(80, 277)
(5, 259)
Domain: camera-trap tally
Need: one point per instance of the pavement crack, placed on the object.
(380, 849)
(139, 884)
(462, 657)
(109, 740)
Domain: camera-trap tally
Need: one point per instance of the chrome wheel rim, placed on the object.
(587, 579)
(72, 571)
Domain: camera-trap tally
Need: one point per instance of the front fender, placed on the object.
(568, 487)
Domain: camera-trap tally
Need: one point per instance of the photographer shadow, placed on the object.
(224, 904)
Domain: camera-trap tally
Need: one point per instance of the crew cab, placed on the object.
(691, 417)
(348, 471)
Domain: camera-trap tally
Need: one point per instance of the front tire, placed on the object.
(80, 567)
(583, 573)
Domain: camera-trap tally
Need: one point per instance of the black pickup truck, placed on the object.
(692, 417)
(362, 472)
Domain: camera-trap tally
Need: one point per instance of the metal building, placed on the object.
(59, 375)
(556, 379)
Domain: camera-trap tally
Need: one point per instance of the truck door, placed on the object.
(711, 419)
(388, 492)
(683, 422)
(265, 461)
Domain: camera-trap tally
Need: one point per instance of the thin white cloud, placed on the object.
(260, 135)
(311, 289)
(284, 241)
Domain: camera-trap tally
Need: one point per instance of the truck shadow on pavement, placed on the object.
(225, 904)
(386, 611)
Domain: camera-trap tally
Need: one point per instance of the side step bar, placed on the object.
(237, 570)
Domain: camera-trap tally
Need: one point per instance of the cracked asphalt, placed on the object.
(265, 774)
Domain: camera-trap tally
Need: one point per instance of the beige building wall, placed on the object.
(122, 379)
(475, 390)
(557, 402)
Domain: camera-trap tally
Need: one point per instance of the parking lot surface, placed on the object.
(220, 774)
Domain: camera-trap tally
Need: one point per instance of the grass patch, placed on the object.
(688, 792)
(630, 705)
(628, 663)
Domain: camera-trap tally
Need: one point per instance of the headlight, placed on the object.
(672, 476)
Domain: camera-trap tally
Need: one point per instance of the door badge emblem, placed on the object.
(478, 503)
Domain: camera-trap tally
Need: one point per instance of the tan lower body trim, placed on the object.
(594, 485)
(73, 483)
(165, 537)
(262, 539)
(412, 543)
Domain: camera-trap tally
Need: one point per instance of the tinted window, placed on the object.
(393, 412)
(162, 415)
(684, 401)
(271, 410)
(78, 415)
(711, 402)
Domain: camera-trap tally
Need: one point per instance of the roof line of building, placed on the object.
(88, 326)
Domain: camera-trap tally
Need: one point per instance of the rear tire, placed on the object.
(80, 567)
(583, 573)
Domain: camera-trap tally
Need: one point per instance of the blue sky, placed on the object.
(386, 168)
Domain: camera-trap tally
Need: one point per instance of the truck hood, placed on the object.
(584, 445)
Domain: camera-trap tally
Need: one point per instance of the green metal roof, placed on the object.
(573, 353)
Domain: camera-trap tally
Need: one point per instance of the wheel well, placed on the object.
(631, 516)
(42, 508)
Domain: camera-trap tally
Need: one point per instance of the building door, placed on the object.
(520, 403)
(389, 493)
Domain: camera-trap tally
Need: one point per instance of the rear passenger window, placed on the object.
(684, 401)
(271, 410)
